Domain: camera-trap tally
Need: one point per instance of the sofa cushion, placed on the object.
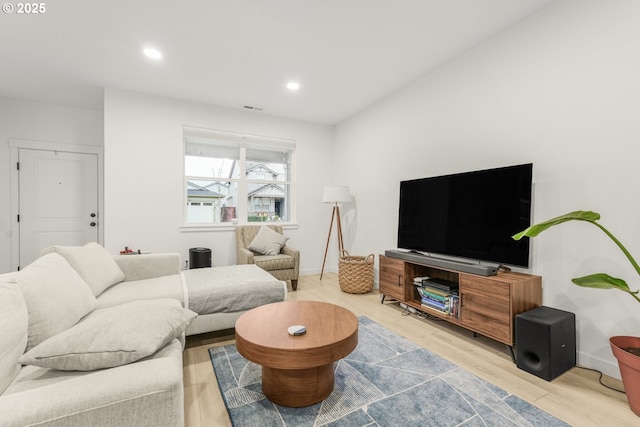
(93, 263)
(146, 393)
(267, 241)
(56, 297)
(156, 288)
(113, 336)
(14, 323)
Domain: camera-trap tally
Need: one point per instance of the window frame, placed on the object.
(242, 142)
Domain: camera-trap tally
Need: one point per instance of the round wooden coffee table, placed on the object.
(297, 370)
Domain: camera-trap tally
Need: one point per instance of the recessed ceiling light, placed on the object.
(293, 86)
(153, 53)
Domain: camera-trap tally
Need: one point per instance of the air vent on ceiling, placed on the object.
(250, 107)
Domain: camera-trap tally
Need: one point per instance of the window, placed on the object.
(237, 178)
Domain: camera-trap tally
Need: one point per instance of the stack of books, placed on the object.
(438, 294)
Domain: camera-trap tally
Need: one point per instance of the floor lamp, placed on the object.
(335, 195)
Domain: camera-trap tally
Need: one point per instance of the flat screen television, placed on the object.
(469, 215)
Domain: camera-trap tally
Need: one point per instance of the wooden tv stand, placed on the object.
(488, 305)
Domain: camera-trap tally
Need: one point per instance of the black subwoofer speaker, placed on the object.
(546, 342)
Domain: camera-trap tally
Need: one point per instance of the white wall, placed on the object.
(38, 122)
(144, 193)
(561, 90)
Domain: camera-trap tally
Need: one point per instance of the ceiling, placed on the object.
(346, 54)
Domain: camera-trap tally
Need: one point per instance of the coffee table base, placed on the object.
(298, 387)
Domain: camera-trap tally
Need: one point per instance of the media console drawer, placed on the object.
(483, 285)
(392, 280)
(485, 313)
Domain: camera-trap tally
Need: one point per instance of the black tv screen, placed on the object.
(469, 215)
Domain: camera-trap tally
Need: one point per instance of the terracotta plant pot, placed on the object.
(629, 365)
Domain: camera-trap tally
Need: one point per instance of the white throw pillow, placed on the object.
(56, 297)
(267, 241)
(93, 263)
(113, 336)
(14, 322)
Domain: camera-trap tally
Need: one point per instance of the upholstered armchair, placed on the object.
(266, 248)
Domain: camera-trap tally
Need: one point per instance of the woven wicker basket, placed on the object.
(355, 273)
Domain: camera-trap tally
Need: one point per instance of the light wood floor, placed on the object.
(575, 397)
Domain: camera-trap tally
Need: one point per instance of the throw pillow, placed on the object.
(56, 297)
(14, 323)
(93, 263)
(113, 336)
(267, 241)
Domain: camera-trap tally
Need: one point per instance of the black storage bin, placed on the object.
(199, 257)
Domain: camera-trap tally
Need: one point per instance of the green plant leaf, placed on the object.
(602, 281)
(536, 229)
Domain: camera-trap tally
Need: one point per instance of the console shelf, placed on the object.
(488, 305)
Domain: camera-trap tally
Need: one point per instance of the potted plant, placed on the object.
(626, 349)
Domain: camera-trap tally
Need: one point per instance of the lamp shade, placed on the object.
(336, 195)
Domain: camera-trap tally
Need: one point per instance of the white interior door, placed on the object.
(58, 200)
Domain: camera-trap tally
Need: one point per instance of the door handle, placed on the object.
(93, 224)
(93, 215)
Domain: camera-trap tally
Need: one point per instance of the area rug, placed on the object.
(386, 381)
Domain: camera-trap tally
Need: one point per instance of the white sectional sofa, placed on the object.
(88, 339)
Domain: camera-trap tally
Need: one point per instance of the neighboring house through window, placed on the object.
(231, 177)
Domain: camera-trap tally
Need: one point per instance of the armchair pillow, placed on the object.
(55, 295)
(113, 336)
(14, 323)
(267, 241)
(93, 263)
